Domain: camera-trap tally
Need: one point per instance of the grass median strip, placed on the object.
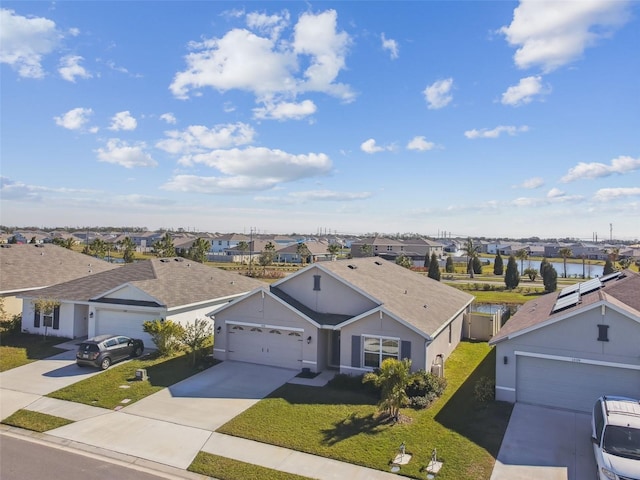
(105, 390)
(344, 425)
(229, 469)
(36, 421)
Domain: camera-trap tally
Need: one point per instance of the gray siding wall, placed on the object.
(574, 337)
(383, 327)
(333, 296)
(441, 344)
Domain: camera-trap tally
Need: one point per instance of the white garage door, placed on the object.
(123, 323)
(266, 346)
(571, 385)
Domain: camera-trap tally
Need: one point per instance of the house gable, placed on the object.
(126, 293)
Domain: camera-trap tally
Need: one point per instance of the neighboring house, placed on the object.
(317, 252)
(224, 242)
(34, 266)
(390, 249)
(567, 349)
(118, 301)
(348, 315)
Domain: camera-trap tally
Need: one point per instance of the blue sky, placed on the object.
(475, 118)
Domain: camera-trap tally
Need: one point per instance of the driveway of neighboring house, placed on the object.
(546, 444)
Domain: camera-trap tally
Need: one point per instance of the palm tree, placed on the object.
(522, 255)
(129, 247)
(199, 250)
(393, 377)
(164, 247)
(303, 252)
(471, 251)
(266, 257)
(565, 252)
(367, 250)
(333, 249)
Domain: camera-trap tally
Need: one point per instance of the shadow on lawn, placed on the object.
(352, 425)
(483, 424)
(302, 394)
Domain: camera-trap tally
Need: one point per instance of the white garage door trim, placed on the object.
(263, 325)
(571, 383)
(268, 345)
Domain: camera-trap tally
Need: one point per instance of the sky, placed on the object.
(478, 118)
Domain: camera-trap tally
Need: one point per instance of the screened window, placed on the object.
(377, 349)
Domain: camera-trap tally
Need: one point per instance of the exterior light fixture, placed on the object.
(91, 315)
(219, 329)
(309, 339)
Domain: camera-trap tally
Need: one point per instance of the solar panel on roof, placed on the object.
(590, 286)
(570, 289)
(566, 302)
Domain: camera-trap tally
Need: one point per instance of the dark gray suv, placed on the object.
(103, 350)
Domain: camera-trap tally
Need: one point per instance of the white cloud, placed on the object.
(123, 121)
(391, 46)
(555, 193)
(370, 146)
(249, 170)
(169, 118)
(619, 165)
(524, 92)
(285, 110)
(199, 139)
(438, 93)
(421, 144)
(125, 155)
(272, 25)
(608, 194)
(550, 34)
(329, 195)
(496, 132)
(70, 68)
(266, 66)
(74, 119)
(531, 183)
(24, 41)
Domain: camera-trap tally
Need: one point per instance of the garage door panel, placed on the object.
(571, 385)
(128, 324)
(276, 347)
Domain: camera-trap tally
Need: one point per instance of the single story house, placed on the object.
(34, 266)
(348, 315)
(118, 301)
(568, 348)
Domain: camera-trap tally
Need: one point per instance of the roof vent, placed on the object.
(352, 267)
(164, 260)
(179, 259)
(39, 245)
(5, 245)
(377, 262)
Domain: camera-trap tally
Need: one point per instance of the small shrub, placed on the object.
(424, 383)
(486, 287)
(11, 325)
(166, 335)
(484, 390)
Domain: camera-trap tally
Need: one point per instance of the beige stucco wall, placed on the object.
(574, 337)
(12, 305)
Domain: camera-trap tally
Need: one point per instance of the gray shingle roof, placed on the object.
(623, 292)
(402, 292)
(171, 281)
(29, 266)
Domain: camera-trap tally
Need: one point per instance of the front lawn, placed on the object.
(228, 469)
(106, 390)
(344, 425)
(36, 421)
(18, 349)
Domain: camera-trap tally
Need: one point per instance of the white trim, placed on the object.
(309, 362)
(578, 360)
(219, 350)
(264, 325)
(508, 389)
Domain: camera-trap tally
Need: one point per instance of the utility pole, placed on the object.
(611, 232)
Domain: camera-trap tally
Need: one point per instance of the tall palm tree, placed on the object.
(199, 249)
(565, 252)
(129, 248)
(522, 255)
(471, 251)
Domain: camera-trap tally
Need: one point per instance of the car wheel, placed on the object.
(106, 363)
(137, 352)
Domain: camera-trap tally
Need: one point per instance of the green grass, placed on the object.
(104, 390)
(36, 421)
(228, 469)
(20, 349)
(345, 425)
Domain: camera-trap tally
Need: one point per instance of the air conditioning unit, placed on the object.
(436, 369)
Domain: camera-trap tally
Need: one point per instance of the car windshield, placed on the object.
(622, 441)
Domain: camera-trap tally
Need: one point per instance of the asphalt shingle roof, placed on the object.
(417, 299)
(171, 281)
(29, 266)
(623, 292)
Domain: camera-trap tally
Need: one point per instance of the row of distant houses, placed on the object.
(234, 247)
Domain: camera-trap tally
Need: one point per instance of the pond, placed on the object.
(574, 270)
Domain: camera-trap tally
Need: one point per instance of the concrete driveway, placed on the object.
(23, 385)
(546, 444)
(173, 425)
